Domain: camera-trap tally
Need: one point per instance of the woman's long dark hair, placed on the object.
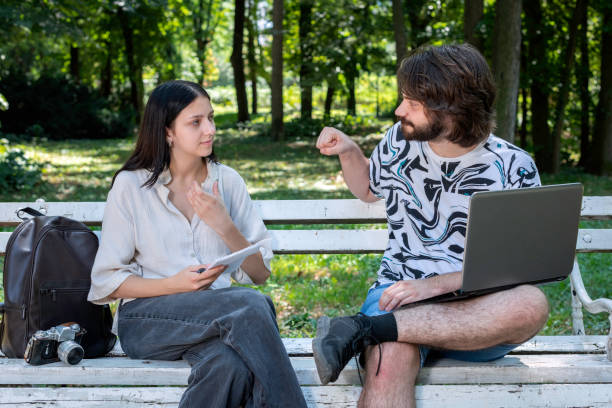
(152, 151)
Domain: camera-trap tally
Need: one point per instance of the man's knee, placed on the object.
(533, 310)
(399, 361)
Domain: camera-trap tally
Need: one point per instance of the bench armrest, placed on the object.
(600, 305)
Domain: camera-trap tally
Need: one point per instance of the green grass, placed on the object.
(303, 287)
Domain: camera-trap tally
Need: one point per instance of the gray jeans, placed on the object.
(229, 337)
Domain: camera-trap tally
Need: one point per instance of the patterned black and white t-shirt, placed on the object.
(427, 199)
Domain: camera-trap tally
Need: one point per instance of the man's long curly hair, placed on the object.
(456, 86)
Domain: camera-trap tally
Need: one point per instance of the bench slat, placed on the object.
(347, 211)
(594, 240)
(302, 346)
(596, 207)
(330, 241)
(308, 241)
(563, 344)
(335, 211)
(521, 369)
(427, 396)
(371, 241)
(538, 345)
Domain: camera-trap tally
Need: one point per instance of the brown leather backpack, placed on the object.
(47, 275)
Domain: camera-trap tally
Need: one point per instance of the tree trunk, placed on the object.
(523, 131)
(252, 33)
(399, 31)
(351, 102)
(201, 42)
(277, 71)
(540, 132)
(134, 71)
(238, 62)
(106, 78)
(328, 100)
(74, 64)
(568, 65)
(602, 131)
(524, 94)
(261, 57)
(306, 59)
(507, 64)
(204, 25)
(583, 75)
(401, 42)
(472, 14)
(417, 22)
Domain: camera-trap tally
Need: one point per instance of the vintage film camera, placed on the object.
(58, 343)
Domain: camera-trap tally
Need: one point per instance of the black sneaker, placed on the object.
(337, 341)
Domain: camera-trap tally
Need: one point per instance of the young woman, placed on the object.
(173, 209)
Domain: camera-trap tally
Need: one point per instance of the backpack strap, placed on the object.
(1, 320)
(28, 210)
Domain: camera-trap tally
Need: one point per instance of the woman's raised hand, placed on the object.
(210, 208)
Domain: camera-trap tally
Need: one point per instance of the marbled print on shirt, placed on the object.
(427, 198)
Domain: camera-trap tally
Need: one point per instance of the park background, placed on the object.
(75, 75)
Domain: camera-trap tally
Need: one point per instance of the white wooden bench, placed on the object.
(547, 371)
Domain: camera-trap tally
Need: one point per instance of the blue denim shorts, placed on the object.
(370, 308)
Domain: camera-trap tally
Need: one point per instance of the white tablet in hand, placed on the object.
(235, 259)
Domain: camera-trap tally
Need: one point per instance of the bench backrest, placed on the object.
(320, 233)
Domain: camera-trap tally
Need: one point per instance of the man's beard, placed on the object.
(424, 133)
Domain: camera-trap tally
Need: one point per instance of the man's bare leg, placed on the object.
(393, 387)
(512, 316)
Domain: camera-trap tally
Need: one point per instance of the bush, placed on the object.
(60, 109)
(351, 125)
(304, 129)
(17, 172)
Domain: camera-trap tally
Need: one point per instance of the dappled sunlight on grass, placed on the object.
(82, 170)
(76, 170)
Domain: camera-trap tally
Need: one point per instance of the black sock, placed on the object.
(384, 327)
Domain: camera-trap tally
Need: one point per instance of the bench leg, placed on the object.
(609, 348)
(577, 317)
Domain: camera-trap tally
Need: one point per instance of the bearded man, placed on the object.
(426, 167)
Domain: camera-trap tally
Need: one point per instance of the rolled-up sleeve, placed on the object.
(248, 220)
(114, 261)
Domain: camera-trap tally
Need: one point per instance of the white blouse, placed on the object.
(144, 234)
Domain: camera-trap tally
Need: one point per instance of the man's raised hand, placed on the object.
(331, 142)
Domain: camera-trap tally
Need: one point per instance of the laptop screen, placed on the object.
(521, 236)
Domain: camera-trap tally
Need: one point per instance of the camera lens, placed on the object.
(70, 352)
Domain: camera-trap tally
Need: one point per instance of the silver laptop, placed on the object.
(520, 236)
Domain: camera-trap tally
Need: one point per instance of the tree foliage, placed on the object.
(118, 50)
